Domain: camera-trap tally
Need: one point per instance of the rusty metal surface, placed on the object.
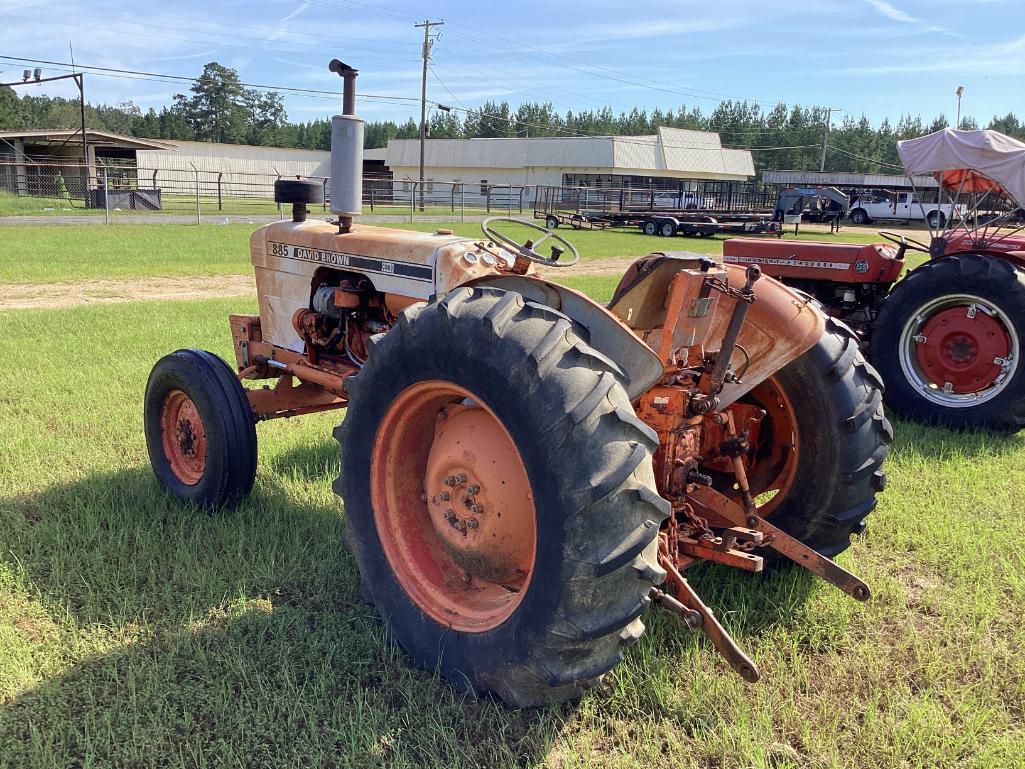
(607, 333)
(717, 634)
(779, 327)
(714, 505)
(286, 400)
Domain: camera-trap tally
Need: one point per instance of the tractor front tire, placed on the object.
(836, 425)
(927, 335)
(499, 497)
(200, 430)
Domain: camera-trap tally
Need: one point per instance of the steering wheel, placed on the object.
(527, 249)
(903, 240)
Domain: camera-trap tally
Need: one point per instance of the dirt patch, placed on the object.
(615, 266)
(28, 296)
(19, 296)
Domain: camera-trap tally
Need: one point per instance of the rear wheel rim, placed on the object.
(776, 449)
(959, 351)
(183, 437)
(453, 506)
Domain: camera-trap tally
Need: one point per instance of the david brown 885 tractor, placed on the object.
(521, 467)
(948, 337)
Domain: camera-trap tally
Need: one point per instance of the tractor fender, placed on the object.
(607, 333)
(781, 325)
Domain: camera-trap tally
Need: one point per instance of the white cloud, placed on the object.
(891, 12)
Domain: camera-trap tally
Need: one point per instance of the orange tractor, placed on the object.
(524, 470)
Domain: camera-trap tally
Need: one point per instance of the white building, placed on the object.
(662, 160)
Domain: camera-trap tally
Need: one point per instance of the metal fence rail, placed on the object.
(31, 187)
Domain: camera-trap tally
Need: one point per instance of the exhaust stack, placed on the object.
(346, 152)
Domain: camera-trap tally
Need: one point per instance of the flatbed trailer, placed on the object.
(729, 209)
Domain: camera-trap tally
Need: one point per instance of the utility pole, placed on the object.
(825, 136)
(957, 93)
(426, 24)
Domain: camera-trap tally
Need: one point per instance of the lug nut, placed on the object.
(450, 515)
(461, 478)
(450, 480)
(473, 523)
(473, 489)
(444, 496)
(476, 508)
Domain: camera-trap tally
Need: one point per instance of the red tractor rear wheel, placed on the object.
(948, 341)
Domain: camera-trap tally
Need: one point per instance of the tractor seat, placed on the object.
(639, 299)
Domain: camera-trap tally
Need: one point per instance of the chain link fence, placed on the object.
(118, 191)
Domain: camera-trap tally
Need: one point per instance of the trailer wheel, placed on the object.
(667, 229)
(200, 430)
(650, 227)
(552, 222)
(817, 459)
(499, 497)
(859, 216)
(948, 340)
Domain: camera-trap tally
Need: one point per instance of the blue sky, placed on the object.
(878, 57)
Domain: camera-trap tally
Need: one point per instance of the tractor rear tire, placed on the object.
(586, 459)
(200, 430)
(842, 438)
(995, 282)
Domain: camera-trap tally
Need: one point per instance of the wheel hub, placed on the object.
(183, 437)
(480, 511)
(962, 349)
(453, 506)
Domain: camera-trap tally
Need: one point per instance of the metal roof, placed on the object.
(93, 137)
(844, 179)
(671, 151)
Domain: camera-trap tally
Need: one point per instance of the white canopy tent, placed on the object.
(968, 161)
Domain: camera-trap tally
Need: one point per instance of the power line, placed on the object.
(159, 77)
(518, 48)
(877, 161)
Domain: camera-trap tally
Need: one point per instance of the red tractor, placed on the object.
(947, 338)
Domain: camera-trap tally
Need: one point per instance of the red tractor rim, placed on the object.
(183, 437)
(776, 450)
(453, 506)
(959, 351)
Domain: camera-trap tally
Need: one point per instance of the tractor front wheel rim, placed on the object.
(959, 351)
(183, 437)
(453, 506)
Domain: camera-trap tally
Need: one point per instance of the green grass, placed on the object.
(137, 632)
(45, 253)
